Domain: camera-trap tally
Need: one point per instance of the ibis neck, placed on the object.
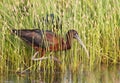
(68, 42)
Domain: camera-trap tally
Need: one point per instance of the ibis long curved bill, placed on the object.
(82, 44)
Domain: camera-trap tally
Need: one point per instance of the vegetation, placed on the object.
(97, 22)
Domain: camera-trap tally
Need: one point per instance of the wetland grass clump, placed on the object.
(97, 22)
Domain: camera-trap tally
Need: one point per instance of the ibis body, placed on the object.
(45, 41)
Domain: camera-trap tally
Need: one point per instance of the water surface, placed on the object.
(101, 74)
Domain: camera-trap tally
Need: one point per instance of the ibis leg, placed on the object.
(42, 58)
(36, 59)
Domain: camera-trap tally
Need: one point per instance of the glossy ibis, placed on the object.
(44, 41)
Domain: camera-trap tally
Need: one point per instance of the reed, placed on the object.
(97, 22)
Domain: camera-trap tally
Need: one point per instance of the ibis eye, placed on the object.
(75, 33)
(15, 32)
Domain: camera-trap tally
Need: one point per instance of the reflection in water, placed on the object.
(98, 75)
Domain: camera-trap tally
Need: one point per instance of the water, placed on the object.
(98, 75)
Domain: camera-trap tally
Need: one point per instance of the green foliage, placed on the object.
(97, 22)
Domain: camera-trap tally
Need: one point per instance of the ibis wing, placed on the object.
(32, 37)
(38, 38)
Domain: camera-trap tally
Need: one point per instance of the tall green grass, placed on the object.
(97, 22)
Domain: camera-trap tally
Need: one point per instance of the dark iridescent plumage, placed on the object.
(44, 41)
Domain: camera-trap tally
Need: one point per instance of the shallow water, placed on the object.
(98, 75)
